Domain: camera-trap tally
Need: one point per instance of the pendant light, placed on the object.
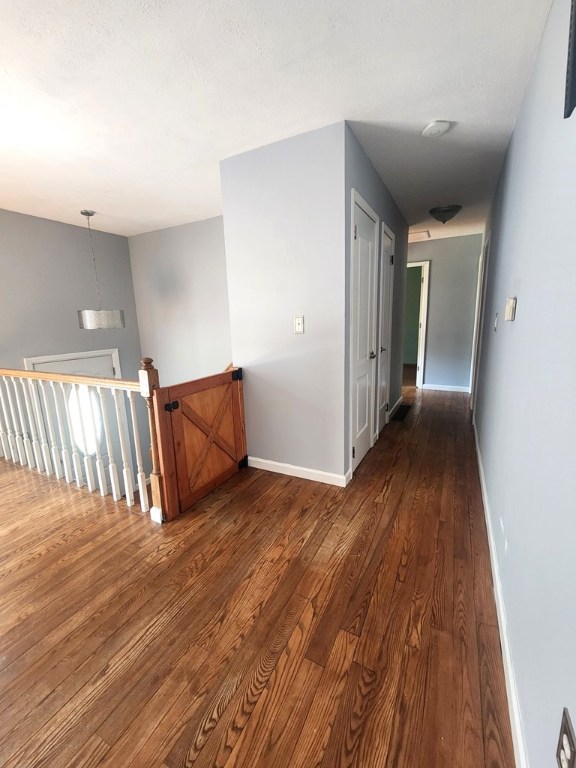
(98, 319)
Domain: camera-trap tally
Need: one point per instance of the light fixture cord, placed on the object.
(94, 264)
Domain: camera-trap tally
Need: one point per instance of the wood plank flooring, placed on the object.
(281, 623)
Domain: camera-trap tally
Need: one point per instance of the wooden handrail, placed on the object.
(93, 381)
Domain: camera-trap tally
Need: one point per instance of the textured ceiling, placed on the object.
(127, 106)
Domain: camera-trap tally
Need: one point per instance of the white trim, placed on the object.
(422, 319)
(479, 316)
(446, 388)
(307, 474)
(29, 362)
(357, 199)
(156, 515)
(395, 407)
(511, 688)
(390, 299)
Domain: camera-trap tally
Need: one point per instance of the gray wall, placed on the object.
(46, 276)
(284, 223)
(453, 280)
(361, 175)
(526, 410)
(182, 299)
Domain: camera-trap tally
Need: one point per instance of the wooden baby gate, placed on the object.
(201, 437)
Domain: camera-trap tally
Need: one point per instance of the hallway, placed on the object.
(280, 623)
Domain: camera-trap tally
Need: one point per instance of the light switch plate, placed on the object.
(298, 323)
(510, 311)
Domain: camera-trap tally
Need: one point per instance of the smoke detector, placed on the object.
(436, 128)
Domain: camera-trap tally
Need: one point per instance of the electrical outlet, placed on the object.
(298, 323)
(566, 752)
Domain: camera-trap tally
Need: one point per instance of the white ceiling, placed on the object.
(127, 106)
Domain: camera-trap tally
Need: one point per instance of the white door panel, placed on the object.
(363, 295)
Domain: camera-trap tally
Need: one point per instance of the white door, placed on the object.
(386, 299)
(363, 331)
(99, 363)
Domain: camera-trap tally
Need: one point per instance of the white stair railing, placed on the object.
(36, 447)
(82, 429)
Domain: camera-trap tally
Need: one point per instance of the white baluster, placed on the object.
(51, 433)
(32, 421)
(76, 462)
(116, 495)
(41, 431)
(16, 423)
(142, 487)
(124, 449)
(9, 425)
(83, 414)
(60, 418)
(21, 415)
(100, 469)
(4, 429)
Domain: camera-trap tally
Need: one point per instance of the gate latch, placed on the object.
(173, 406)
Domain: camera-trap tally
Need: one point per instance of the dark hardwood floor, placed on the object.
(281, 623)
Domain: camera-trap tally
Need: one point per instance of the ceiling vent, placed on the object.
(419, 236)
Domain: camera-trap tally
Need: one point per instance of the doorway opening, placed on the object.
(415, 316)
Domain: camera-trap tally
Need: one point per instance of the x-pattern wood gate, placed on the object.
(201, 437)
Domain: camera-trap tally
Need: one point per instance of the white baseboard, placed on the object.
(511, 688)
(446, 388)
(394, 408)
(304, 472)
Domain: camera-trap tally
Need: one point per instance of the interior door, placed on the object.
(386, 299)
(99, 363)
(363, 346)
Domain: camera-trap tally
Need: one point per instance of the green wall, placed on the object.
(412, 314)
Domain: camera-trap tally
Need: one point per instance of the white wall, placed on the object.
(526, 410)
(46, 276)
(182, 299)
(362, 176)
(453, 280)
(284, 226)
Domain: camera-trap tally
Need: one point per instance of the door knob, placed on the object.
(372, 355)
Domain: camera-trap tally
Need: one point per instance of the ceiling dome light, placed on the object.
(436, 128)
(444, 213)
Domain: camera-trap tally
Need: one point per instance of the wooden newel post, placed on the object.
(149, 381)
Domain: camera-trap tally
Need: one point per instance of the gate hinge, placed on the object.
(173, 406)
(237, 375)
(386, 407)
(243, 463)
(353, 453)
(355, 232)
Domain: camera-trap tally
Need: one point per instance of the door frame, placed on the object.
(422, 319)
(357, 199)
(479, 317)
(29, 362)
(389, 267)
